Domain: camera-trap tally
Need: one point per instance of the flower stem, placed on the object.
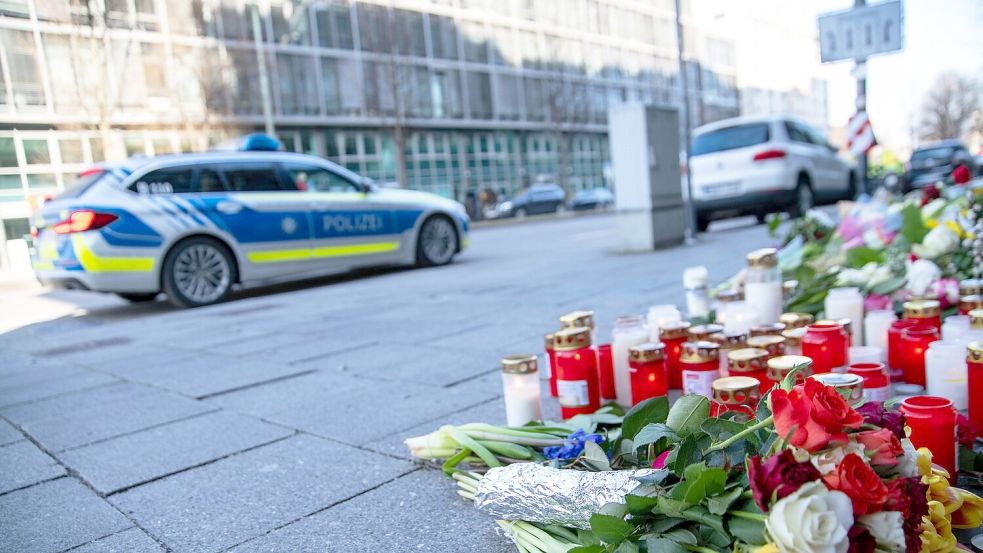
(733, 439)
(697, 548)
(749, 516)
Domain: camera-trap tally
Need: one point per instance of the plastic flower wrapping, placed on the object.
(806, 473)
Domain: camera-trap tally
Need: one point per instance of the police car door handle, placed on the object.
(229, 208)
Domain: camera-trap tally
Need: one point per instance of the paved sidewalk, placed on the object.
(275, 422)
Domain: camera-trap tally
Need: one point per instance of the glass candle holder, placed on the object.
(932, 421)
(673, 336)
(969, 303)
(945, 372)
(605, 372)
(847, 303)
(648, 371)
(850, 386)
(894, 360)
(826, 344)
(914, 344)
(924, 312)
(779, 367)
(971, 286)
(728, 342)
(877, 382)
(701, 366)
(750, 362)
(789, 289)
(629, 330)
(865, 354)
(774, 345)
(955, 327)
(763, 286)
(660, 316)
(576, 367)
(697, 291)
(735, 393)
(520, 380)
(723, 298)
(551, 357)
(796, 320)
(698, 333)
(793, 340)
(848, 326)
(974, 377)
(876, 324)
(773, 329)
(739, 316)
(582, 318)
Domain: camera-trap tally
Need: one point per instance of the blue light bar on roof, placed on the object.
(255, 142)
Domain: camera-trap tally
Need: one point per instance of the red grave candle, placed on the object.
(894, 360)
(825, 343)
(914, 344)
(735, 393)
(752, 363)
(924, 312)
(933, 425)
(673, 335)
(647, 363)
(974, 373)
(605, 369)
(877, 382)
(969, 303)
(701, 366)
(577, 384)
(551, 355)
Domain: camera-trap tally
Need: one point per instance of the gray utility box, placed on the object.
(647, 181)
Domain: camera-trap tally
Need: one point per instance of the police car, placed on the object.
(195, 225)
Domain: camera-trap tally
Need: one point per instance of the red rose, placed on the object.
(814, 415)
(882, 445)
(860, 483)
(861, 541)
(777, 477)
(898, 498)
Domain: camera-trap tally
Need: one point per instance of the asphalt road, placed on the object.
(275, 422)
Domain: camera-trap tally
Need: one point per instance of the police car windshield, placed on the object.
(85, 182)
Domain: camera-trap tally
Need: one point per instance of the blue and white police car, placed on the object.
(195, 225)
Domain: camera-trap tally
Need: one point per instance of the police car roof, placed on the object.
(135, 163)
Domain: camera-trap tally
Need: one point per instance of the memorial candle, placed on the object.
(945, 372)
(894, 351)
(739, 316)
(648, 371)
(877, 382)
(932, 421)
(583, 318)
(779, 367)
(847, 303)
(763, 286)
(728, 342)
(723, 298)
(551, 357)
(850, 386)
(660, 316)
(970, 287)
(629, 330)
(826, 344)
(577, 383)
(752, 363)
(974, 374)
(699, 333)
(774, 345)
(796, 320)
(605, 372)
(701, 366)
(793, 340)
(773, 329)
(520, 379)
(969, 303)
(735, 393)
(673, 336)
(924, 312)
(914, 344)
(876, 324)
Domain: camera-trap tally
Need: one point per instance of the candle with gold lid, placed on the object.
(789, 288)
(673, 335)
(701, 366)
(750, 362)
(976, 319)
(793, 340)
(969, 303)
(925, 312)
(779, 367)
(723, 298)
(576, 367)
(763, 285)
(971, 286)
(974, 374)
(582, 318)
(796, 320)
(648, 371)
(850, 386)
(736, 393)
(728, 341)
(774, 345)
(773, 329)
(702, 332)
(520, 379)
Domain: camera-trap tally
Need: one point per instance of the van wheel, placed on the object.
(437, 242)
(137, 298)
(702, 223)
(804, 198)
(199, 271)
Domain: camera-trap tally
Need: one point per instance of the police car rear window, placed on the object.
(84, 183)
(165, 181)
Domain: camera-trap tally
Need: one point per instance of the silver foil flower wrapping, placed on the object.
(534, 493)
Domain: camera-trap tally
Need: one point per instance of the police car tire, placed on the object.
(171, 289)
(422, 257)
(138, 297)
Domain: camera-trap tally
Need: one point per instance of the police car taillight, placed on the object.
(83, 220)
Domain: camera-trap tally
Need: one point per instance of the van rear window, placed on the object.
(731, 138)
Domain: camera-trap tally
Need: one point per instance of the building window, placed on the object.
(409, 33)
(8, 157)
(71, 150)
(42, 181)
(10, 182)
(290, 23)
(334, 25)
(443, 37)
(330, 86)
(36, 151)
(375, 28)
(475, 41)
(298, 90)
(479, 95)
(445, 93)
(22, 63)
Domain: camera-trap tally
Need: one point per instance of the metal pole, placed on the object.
(264, 80)
(861, 69)
(691, 228)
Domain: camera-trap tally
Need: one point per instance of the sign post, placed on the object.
(856, 34)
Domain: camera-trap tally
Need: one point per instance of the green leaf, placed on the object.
(593, 548)
(595, 456)
(687, 414)
(682, 535)
(651, 411)
(626, 547)
(654, 479)
(663, 525)
(747, 531)
(889, 286)
(652, 433)
(912, 226)
(861, 255)
(699, 483)
(718, 505)
(611, 530)
(662, 545)
(685, 454)
(640, 504)
(587, 537)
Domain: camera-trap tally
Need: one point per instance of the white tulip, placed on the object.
(811, 520)
(921, 274)
(886, 528)
(939, 241)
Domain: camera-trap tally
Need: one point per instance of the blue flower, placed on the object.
(573, 446)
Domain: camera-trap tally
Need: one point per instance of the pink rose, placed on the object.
(876, 302)
(882, 446)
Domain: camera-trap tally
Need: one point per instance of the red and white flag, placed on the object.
(860, 135)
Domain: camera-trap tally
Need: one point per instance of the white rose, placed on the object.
(932, 208)
(811, 520)
(908, 461)
(885, 527)
(921, 274)
(939, 241)
(827, 461)
(851, 277)
(820, 217)
(881, 275)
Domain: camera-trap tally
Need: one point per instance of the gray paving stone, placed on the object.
(55, 516)
(23, 464)
(9, 434)
(225, 503)
(133, 540)
(84, 417)
(350, 409)
(418, 512)
(316, 352)
(25, 387)
(412, 363)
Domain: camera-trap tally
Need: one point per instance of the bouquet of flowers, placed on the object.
(806, 473)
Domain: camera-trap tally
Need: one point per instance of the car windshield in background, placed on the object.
(943, 152)
(730, 138)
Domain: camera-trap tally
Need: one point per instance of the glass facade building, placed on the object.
(448, 96)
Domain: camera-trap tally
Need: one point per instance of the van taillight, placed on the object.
(83, 220)
(769, 154)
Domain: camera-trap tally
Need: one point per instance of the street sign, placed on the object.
(860, 32)
(860, 135)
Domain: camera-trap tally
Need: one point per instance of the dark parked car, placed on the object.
(538, 198)
(935, 162)
(594, 198)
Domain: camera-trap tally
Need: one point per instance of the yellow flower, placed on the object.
(770, 548)
(940, 492)
(931, 223)
(954, 227)
(970, 512)
(936, 531)
(924, 461)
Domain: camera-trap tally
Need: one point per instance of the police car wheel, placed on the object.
(138, 298)
(437, 243)
(198, 272)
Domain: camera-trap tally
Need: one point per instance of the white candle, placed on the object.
(945, 372)
(763, 285)
(847, 303)
(955, 327)
(520, 380)
(697, 294)
(659, 316)
(876, 324)
(740, 316)
(629, 330)
(865, 354)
